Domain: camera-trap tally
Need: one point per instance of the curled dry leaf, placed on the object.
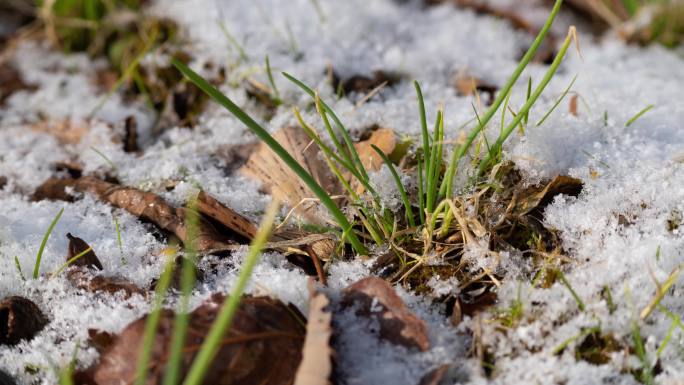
(263, 346)
(151, 207)
(78, 246)
(538, 197)
(283, 183)
(20, 319)
(316, 365)
(285, 240)
(375, 297)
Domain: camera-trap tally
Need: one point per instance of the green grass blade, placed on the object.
(213, 339)
(338, 123)
(118, 239)
(17, 264)
(421, 198)
(529, 93)
(276, 93)
(432, 166)
(638, 115)
(233, 41)
(574, 294)
(151, 324)
(182, 320)
(528, 104)
(447, 182)
(423, 129)
(558, 101)
(277, 148)
(400, 186)
(646, 376)
(39, 256)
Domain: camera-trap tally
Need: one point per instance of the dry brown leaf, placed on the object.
(263, 346)
(398, 325)
(384, 139)
(78, 246)
(536, 197)
(283, 183)
(153, 208)
(20, 319)
(85, 280)
(54, 189)
(66, 131)
(212, 208)
(316, 365)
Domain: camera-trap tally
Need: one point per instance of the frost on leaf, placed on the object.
(375, 298)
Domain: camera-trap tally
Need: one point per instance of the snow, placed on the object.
(634, 172)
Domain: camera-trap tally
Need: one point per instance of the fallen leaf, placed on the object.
(151, 207)
(78, 246)
(537, 197)
(374, 297)
(87, 281)
(384, 139)
(263, 346)
(212, 208)
(316, 365)
(66, 131)
(20, 319)
(283, 183)
(54, 189)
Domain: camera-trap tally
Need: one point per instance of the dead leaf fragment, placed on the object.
(384, 139)
(283, 183)
(87, 281)
(212, 208)
(151, 207)
(54, 189)
(316, 365)
(537, 198)
(78, 246)
(66, 131)
(376, 298)
(20, 319)
(262, 346)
